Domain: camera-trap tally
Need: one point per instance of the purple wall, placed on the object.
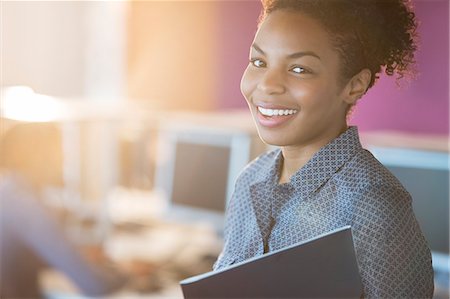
(420, 106)
(236, 29)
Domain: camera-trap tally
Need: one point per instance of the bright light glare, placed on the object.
(23, 104)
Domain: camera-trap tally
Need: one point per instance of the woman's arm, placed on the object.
(393, 256)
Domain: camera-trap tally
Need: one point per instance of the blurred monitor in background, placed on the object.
(198, 167)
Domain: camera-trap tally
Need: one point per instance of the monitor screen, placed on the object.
(429, 189)
(197, 169)
(200, 175)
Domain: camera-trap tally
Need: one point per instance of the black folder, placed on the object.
(323, 267)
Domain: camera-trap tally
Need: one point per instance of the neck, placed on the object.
(293, 160)
(296, 156)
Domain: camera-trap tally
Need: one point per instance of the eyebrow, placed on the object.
(291, 56)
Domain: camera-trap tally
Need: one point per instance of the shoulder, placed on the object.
(374, 193)
(364, 173)
(371, 190)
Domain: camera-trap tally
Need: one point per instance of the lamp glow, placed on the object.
(23, 104)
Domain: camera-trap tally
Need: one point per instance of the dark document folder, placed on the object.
(323, 267)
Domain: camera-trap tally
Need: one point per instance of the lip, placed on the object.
(273, 121)
(272, 106)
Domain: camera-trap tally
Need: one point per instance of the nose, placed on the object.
(272, 82)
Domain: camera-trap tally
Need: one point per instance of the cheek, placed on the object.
(321, 104)
(308, 94)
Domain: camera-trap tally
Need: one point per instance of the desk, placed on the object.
(140, 232)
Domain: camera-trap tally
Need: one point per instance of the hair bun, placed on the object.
(372, 34)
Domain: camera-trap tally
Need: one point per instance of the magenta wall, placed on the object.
(237, 24)
(421, 106)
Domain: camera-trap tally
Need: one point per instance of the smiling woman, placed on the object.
(310, 62)
(299, 74)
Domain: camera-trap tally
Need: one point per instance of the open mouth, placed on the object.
(271, 118)
(276, 112)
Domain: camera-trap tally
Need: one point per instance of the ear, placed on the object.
(357, 86)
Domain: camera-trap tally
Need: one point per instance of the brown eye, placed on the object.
(257, 63)
(298, 70)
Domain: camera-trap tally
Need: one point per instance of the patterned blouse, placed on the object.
(342, 184)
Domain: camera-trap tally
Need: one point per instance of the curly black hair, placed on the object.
(368, 34)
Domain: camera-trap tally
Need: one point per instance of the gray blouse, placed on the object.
(342, 184)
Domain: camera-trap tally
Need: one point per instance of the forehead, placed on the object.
(292, 31)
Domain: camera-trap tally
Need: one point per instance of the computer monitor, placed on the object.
(197, 169)
(425, 174)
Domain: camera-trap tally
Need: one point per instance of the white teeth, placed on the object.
(275, 112)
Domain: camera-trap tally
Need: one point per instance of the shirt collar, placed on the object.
(268, 171)
(327, 161)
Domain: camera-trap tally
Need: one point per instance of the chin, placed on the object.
(272, 138)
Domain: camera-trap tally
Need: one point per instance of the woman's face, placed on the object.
(292, 82)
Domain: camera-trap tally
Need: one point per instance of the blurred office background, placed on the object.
(153, 128)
